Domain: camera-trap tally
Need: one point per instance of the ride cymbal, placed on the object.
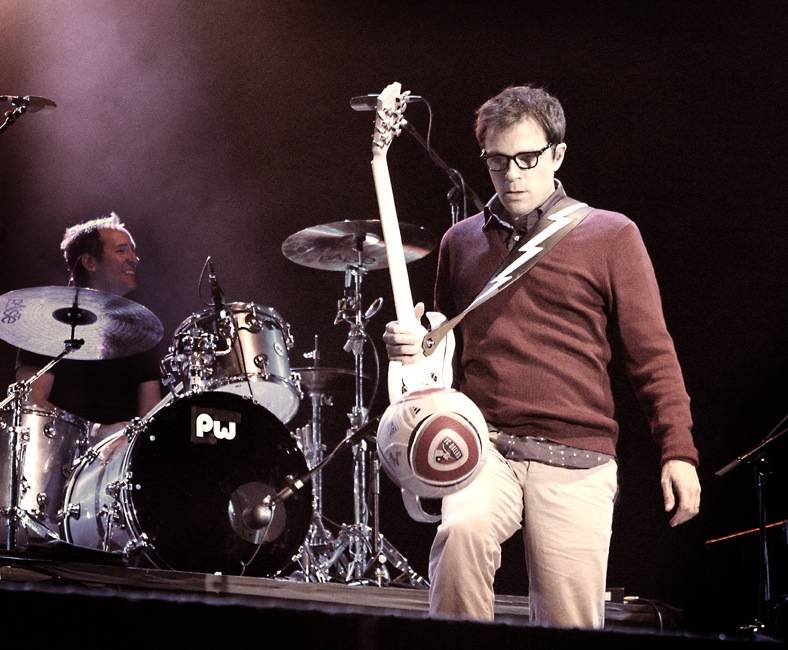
(335, 246)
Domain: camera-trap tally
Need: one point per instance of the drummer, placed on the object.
(100, 254)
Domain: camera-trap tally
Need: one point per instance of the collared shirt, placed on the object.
(512, 230)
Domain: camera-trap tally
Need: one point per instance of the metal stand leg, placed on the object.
(370, 552)
(359, 554)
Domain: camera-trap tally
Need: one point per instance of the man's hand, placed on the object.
(681, 490)
(403, 341)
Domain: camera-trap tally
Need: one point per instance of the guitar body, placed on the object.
(434, 371)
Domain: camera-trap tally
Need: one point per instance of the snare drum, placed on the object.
(171, 492)
(244, 352)
(51, 441)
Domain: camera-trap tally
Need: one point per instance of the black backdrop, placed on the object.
(221, 128)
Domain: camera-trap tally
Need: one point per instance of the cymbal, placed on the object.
(328, 380)
(335, 246)
(39, 320)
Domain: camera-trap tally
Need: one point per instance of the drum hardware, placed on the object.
(318, 557)
(234, 347)
(46, 321)
(356, 247)
(21, 105)
(19, 437)
(259, 514)
(176, 492)
(16, 451)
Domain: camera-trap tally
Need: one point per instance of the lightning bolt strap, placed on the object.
(529, 249)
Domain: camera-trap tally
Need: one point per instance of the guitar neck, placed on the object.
(400, 285)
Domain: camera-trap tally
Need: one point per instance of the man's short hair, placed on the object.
(516, 102)
(85, 239)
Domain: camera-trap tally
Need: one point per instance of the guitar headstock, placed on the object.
(391, 104)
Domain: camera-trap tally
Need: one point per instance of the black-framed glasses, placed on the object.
(499, 162)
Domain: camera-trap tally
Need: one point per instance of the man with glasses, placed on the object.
(535, 359)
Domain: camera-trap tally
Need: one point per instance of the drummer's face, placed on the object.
(116, 271)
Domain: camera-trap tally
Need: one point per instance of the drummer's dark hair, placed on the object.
(85, 239)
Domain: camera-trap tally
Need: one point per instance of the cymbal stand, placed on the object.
(368, 548)
(312, 557)
(18, 436)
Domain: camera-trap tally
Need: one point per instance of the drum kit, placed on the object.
(211, 480)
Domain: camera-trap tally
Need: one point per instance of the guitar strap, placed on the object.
(551, 228)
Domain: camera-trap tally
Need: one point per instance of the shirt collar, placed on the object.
(495, 215)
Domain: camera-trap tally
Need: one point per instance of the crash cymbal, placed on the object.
(39, 320)
(335, 246)
(327, 380)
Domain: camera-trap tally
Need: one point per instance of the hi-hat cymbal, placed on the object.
(328, 380)
(335, 246)
(40, 319)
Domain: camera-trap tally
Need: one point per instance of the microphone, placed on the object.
(370, 102)
(258, 516)
(216, 291)
(30, 102)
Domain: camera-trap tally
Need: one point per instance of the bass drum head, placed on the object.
(194, 468)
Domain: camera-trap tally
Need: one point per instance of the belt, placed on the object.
(546, 451)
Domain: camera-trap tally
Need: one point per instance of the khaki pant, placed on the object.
(566, 516)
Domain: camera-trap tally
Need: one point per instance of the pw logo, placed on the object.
(209, 425)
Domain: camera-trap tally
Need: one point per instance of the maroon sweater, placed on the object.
(535, 357)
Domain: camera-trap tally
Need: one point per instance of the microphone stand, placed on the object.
(20, 105)
(757, 458)
(460, 187)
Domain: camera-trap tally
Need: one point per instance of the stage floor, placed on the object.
(138, 601)
(53, 576)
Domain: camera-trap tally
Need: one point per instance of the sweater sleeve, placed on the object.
(649, 353)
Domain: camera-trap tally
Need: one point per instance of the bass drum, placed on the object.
(172, 491)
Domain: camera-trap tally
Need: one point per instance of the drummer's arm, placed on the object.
(148, 395)
(40, 389)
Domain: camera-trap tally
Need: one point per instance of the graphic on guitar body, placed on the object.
(432, 439)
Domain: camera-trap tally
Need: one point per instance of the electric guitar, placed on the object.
(417, 388)
(434, 371)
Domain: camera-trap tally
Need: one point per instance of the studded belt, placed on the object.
(546, 451)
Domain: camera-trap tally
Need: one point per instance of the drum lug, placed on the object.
(113, 488)
(261, 361)
(90, 455)
(49, 430)
(252, 323)
(71, 511)
(22, 432)
(135, 427)
(139, 544)
(295, 380)
(289, 341)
